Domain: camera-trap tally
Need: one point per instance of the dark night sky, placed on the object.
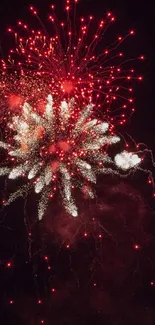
(101, 282)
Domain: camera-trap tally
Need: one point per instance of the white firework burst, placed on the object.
(61, 147)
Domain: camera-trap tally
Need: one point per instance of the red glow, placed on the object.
(39, 132)
(67, 86)
(52, 148)
(64, 146)
(9, 264)
(136, 246)
(55, 165)
(46, 258)
(39, 302)
(14, 101)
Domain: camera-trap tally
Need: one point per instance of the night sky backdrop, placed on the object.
(97, 269)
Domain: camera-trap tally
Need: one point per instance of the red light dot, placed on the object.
(85, 234)
(152, 283)
(8, 264)
(42, 321)
(11, 302)
(136, 246)
(53, 290)
(45, 258)
(100, 236)
(67, 246)
(94, 284)
(39, 302)
(132, 32)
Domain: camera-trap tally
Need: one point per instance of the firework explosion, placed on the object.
(64, 143)
(70, 61)
(61, 146)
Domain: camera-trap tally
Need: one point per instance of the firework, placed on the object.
(75, 60)
(63, 142)
(64, 147)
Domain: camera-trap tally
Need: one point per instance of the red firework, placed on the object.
(70, 61)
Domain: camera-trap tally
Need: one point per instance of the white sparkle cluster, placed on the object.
(82, 155)
(126, 160)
